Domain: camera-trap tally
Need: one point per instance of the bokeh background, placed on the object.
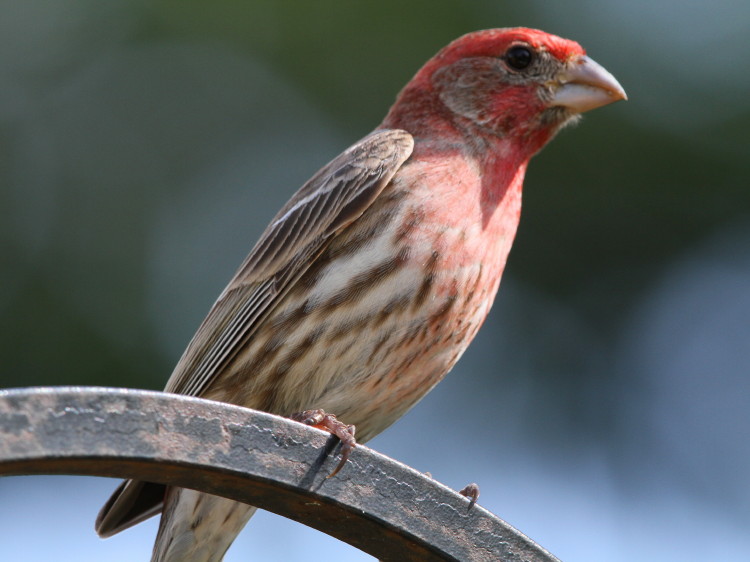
(604, 408)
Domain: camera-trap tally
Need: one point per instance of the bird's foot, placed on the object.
(470, 491)
(328, 422)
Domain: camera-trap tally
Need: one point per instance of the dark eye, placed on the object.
(519, 57)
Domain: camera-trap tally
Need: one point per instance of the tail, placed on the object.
(198, 527)
(131, 503)
(194, 527)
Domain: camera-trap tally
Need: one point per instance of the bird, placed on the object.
(371, 281)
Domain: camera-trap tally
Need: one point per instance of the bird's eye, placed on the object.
(519, 57)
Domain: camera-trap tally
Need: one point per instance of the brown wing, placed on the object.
(334, 197)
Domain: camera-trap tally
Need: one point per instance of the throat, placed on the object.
(503, 174)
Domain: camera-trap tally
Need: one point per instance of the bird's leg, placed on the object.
(328, 422)
(470, 491)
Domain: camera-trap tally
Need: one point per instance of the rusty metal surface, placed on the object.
(375, 504)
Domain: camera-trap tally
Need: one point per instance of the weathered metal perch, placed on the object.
(375, 504)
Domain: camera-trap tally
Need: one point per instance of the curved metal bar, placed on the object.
(375, 504)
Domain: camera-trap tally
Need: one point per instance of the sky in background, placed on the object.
(603, 408)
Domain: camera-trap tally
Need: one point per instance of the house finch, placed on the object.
(371, 281)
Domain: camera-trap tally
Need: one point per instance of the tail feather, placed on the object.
(131, 503)
(198, 527)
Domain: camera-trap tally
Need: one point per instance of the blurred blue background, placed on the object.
(603, 408)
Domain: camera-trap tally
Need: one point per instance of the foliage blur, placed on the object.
(604, 407)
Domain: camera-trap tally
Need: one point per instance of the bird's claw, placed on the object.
(329, 422)
(470, 491)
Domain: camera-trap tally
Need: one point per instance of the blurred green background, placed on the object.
(603, 408)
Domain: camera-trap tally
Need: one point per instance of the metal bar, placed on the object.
(375, 504)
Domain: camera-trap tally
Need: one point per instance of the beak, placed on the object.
(586, 85)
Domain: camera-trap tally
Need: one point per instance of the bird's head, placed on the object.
(516, 83)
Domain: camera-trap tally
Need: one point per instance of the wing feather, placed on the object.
(334, 197)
